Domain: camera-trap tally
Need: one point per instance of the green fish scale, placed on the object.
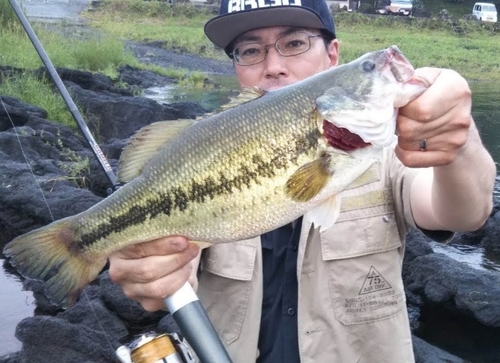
(227, 157)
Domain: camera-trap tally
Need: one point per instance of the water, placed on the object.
(17, 304)
(474, 256)
(486, 112)
(209, 100)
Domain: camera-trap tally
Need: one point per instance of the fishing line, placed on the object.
(26, 157)
(38, 184)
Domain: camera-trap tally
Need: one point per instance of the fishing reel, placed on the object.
(155, 348)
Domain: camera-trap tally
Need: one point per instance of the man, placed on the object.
(298, 295)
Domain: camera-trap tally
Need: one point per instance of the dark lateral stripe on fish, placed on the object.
(181, 198)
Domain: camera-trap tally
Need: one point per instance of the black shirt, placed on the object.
(278, 340)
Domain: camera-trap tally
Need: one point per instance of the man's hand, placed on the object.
(151, 271)
(441, 116)
(454, 191)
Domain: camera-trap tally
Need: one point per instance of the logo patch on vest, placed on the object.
(374, 282)
(376, 296)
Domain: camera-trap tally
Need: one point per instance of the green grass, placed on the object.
(94, 51)
(102, 55)
(425, 42)
(34, 91)
(179, 27)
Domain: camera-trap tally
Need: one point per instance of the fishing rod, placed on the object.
(184, 305)
(65, 95)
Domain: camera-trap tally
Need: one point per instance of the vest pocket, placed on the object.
(363, 260)
(225, 284)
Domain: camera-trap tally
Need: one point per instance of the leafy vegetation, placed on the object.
(90, 50)
(178, 26)
(426, 42)
(36, 91)
(457, 8)
(429, 41)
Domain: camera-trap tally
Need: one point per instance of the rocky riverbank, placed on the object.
(439, 288)
(445, 297)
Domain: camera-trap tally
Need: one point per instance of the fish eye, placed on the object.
(368, 66)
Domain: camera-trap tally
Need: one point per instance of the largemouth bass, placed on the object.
(236, 174)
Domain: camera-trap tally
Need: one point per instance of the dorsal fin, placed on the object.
(144, 144)
(246, 95)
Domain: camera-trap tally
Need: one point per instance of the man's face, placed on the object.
(277, 71)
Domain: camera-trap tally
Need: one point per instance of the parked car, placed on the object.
(485, 12)
(396, 7)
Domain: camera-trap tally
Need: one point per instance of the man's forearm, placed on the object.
(457, 196)
(462, 191)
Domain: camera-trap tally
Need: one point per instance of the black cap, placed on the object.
(239, 16)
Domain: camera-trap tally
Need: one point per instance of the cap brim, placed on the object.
(222, 30)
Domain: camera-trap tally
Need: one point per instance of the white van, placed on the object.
(485, 12)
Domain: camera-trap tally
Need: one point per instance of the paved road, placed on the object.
(54, 10)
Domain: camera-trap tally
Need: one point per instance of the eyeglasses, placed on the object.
(287, 46)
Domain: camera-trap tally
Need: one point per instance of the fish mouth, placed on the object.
(341, 138)
(399, 66)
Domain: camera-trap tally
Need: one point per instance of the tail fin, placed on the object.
(52, 255)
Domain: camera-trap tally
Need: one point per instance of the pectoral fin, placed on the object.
(309, 179)
(201, 244)
(326, 213)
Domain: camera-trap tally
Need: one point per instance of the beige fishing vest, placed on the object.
(351, 306)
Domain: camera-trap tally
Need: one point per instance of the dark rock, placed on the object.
(427, 353)
(456, 286)
(488, 231)
(133, 76)
(128, 114)
(11, 358)
(127, 309)
(113, 148)
(52, 339)
(58, 135)
(168, 325)
(8, 72)
(17, 113)
(43, 304)
(417, 244)
(469, 238)
(458, 333)
(35, 188)
(491, 237)
(92, 313)
(413, 315)
(90, 81)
